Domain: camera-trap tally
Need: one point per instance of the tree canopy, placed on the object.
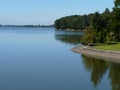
(76, 22)
(99, 27)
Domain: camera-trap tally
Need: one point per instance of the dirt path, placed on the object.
(111, 55)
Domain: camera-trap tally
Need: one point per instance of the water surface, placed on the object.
(41, 59)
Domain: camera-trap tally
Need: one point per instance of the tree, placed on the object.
(89, 36)
(117, 4)
(98, 24)
(116, 20)
(102, 26)
(107, 26)
(57, 24)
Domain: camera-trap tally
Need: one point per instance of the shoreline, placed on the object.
(113, 56)
(71, 30)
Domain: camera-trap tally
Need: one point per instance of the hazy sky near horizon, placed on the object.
(21, 12)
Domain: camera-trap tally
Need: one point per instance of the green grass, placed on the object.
(111, 47)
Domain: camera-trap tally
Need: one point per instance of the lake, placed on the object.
(41, 59)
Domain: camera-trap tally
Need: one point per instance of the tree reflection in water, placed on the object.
(68, 37)
(114, 76)
(98, 69)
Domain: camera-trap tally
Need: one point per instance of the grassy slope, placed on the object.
(111, 47)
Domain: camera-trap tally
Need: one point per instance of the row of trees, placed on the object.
(99, 27)
(105, 27)
(76, 22)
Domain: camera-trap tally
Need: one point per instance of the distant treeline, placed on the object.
(27, 26)
(99, 27)
(76, 22)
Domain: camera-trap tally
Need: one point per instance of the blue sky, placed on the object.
(21, 12)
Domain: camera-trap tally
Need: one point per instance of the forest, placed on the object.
(98, 27)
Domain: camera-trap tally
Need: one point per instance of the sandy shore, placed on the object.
(109, 55)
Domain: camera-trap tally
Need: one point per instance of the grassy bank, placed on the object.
(111, 47)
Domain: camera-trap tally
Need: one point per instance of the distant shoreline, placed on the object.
(113, 56)
(34, 26)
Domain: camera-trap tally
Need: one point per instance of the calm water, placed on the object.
(41, 59)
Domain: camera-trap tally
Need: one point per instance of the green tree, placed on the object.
(107, 26)
(89, 36)
(57, 24)
(101, 25)
(116, 20)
